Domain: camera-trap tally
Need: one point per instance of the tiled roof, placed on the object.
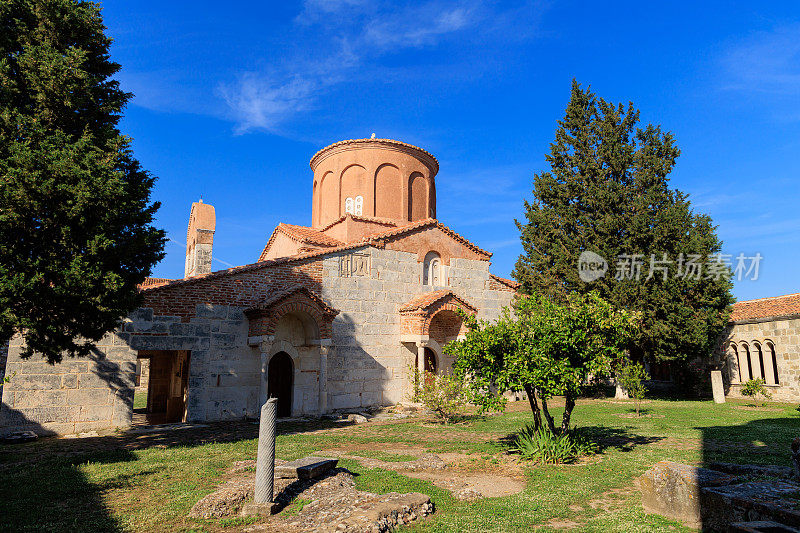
(369, 241)
(281, 295)
(376, 220)
(153, 282)
(301, 234)
(308, 235)
(776, 306)
(508, 282)
(426, 300)
(390, 142)
(425, 223)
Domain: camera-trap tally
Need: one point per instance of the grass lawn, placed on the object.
(149, 482)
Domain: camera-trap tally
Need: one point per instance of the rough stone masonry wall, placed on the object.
(224, 372)
(785, 336)
(83, 394)
(368, 365)
(76, 395)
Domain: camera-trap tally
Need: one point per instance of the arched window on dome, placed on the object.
(349, 206)
(359, 205)
(432, 270)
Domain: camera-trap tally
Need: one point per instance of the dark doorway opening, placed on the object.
(279, 380)
(167, 387)
(430, 361)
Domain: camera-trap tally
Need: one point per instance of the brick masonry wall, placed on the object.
(368, 365)
(785, 336)
(241, 289)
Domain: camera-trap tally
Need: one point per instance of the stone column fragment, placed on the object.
(265, 462)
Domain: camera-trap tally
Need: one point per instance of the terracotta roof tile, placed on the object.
(301, 234)
(508, 282)
(376, 220)
(776, 306)
(308, 235)
(426, 300)
(388, 142)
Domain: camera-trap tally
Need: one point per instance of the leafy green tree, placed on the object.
(75, 212)
(546, 348)
(607, 191)
(630, 376)
(754, 387)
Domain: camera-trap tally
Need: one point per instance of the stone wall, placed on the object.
(368, 364)
(76, 395)
(224, 372)
(784, 335)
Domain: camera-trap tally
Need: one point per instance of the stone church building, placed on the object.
(763, 341)
(330, 317)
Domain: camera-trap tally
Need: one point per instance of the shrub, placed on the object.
(545, 447)
(630, 377)
(754, 387)
(445, 395)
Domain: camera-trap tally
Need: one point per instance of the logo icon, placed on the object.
(591, 266)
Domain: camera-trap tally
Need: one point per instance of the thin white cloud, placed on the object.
(346, 36)
(258, 102)
(767, 62)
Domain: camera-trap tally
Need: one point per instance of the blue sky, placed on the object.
(233, 99)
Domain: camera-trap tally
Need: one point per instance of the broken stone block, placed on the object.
(358, 419)
(18, 437)
(761, 526)
(673, 490)
(753, 501)
(305, 468)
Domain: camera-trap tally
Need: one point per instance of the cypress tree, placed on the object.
(76, 234)
(607, 191)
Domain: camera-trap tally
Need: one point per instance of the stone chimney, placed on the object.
(199, 239)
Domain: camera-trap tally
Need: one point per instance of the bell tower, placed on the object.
(199, 239)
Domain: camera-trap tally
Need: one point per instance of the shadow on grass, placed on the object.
(42, 486)
(602, 437)
(53, 494)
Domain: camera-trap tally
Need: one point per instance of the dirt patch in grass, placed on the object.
(469, 486)
(759, 408)
(641, 415)
(467, 476)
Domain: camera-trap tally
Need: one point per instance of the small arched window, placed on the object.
(738, 364)
(760, 354)
(749, 362)
(773, 356)
(432, 269)
(359, 205)
(349, 206)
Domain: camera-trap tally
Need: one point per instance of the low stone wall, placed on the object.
(75, 395)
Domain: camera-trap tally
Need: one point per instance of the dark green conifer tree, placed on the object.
(76, 234)
(608, 192)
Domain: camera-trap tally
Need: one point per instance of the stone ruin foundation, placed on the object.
(724, 496)
(326, 501)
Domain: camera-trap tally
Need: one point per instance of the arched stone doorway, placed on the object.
(280, 377)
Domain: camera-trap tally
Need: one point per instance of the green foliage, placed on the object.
(445, 395)
(607, 191)
(546, 348)
(754, 387)
(547, 447)
(630, 376)
(75, 212)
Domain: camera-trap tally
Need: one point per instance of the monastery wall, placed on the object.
(76, 395)
(749, 349)
(368, 364)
